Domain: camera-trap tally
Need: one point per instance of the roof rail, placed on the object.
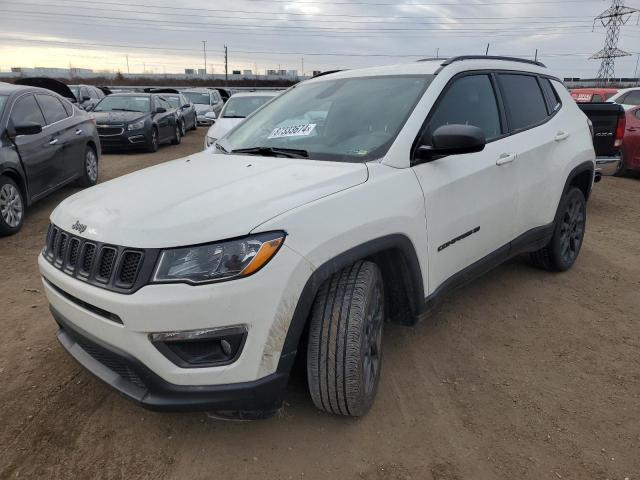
(492, 57)
(432, 59)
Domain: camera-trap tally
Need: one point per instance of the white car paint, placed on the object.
(223, 125)
(326, 209)
(615, 98)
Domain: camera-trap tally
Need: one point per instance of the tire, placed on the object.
(89, 168)
(153, 143)
(177, 134)
(344, 353)
(183, 130)
(622, 170)
(12, 207)
(195, 123)
(562, 251)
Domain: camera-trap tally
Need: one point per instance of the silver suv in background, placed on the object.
(205, 101)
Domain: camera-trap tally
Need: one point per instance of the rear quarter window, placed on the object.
(524, 102)
(550, 94)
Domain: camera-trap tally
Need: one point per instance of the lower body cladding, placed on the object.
(216, 347)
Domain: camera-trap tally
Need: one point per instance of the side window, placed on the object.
(67, 107)
(633, 98)
(638, 114)
(216, 97)
(621, 100)
(524, 102)
(470, 100)
(26, 111)
(553, 101)
(164, 103)
(84, 93)
(596, 98)
(52, 108)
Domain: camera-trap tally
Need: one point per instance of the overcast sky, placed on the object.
(160, 36)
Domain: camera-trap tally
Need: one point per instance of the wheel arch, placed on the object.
(582, 178)
(397, 259)
(20, 181)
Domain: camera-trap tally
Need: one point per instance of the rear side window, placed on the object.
(52, 108)
(553, 101)
(67, 107)
(524, 102)
(596, 98)
(26, 111)
(632, 98)
(470, 100)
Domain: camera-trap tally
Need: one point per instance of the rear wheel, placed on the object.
(12, 207)
(563, 249)
(90, 168)
(344, 354)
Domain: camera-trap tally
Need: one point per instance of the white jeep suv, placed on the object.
(354, 199)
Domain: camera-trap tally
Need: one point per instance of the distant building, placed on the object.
(247, 73)
(236, 72)
(316, 72)
(271, 72)
(189, 71)
(202, 71)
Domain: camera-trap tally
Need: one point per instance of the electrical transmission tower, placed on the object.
(612, 19)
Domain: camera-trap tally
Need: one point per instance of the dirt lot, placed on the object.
(523, 374)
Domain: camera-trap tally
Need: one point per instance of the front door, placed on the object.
(471, 199)
(40, 153)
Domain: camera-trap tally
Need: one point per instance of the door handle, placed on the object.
(506, 159)
(79, 131)
(53, 141)
(632, 129)
(561, 136)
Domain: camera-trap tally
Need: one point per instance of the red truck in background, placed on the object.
(631, 143)
(592, 95)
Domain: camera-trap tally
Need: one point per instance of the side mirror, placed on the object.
(186, 106)
(452, 140)
(210, 115)
(161, 110)
(27, 129)
(86, 99)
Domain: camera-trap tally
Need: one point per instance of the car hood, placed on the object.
(202, 198)
(200, 108)
(222, 126)
(117, 117)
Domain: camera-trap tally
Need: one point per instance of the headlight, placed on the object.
(215, 262)
(136, 126)
(211, 140)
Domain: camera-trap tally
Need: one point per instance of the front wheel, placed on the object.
(344, 354)
(562, 251)
(177, 134)
(153, 143)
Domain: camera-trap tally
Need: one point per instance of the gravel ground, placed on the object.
(522, 374)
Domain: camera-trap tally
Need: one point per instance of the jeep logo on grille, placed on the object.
(79, 227)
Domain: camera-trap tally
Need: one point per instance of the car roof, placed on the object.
(10, 88)
(435, 66)
(133, 94)
(263, 93)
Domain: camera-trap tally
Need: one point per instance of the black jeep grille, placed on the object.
(116, 268)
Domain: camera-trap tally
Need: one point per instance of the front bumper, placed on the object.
(127, 139)
(135, 381)
(607, 166)
(202, 120)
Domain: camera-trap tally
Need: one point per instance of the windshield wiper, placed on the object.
(124, 110)
(233, 116)
(273, 152)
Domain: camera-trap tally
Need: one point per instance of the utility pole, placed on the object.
(635, 75)
(128, 72)
(437, 53)
(226, 64)
(536, 54)
(302, 72)
(612, 19)
(487, 52)
(204, 52)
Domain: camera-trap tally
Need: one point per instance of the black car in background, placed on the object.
(87, 96)
(45, 143)
(185, 110)
(136, 120)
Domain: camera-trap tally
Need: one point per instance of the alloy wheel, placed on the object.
(373, 324)
(91, 165)
(11, 207)
(572, 230)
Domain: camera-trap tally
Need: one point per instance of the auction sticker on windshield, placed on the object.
(293, 131)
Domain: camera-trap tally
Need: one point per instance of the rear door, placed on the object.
(60, 127)
(631, 143)
(165, 119)
(470, 199)
(538, 137)
(37, 152)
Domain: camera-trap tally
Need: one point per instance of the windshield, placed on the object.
(200, 98)
(242, 107)
(129, 103)
(174, 100)
(75, 89)
(347, 120)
